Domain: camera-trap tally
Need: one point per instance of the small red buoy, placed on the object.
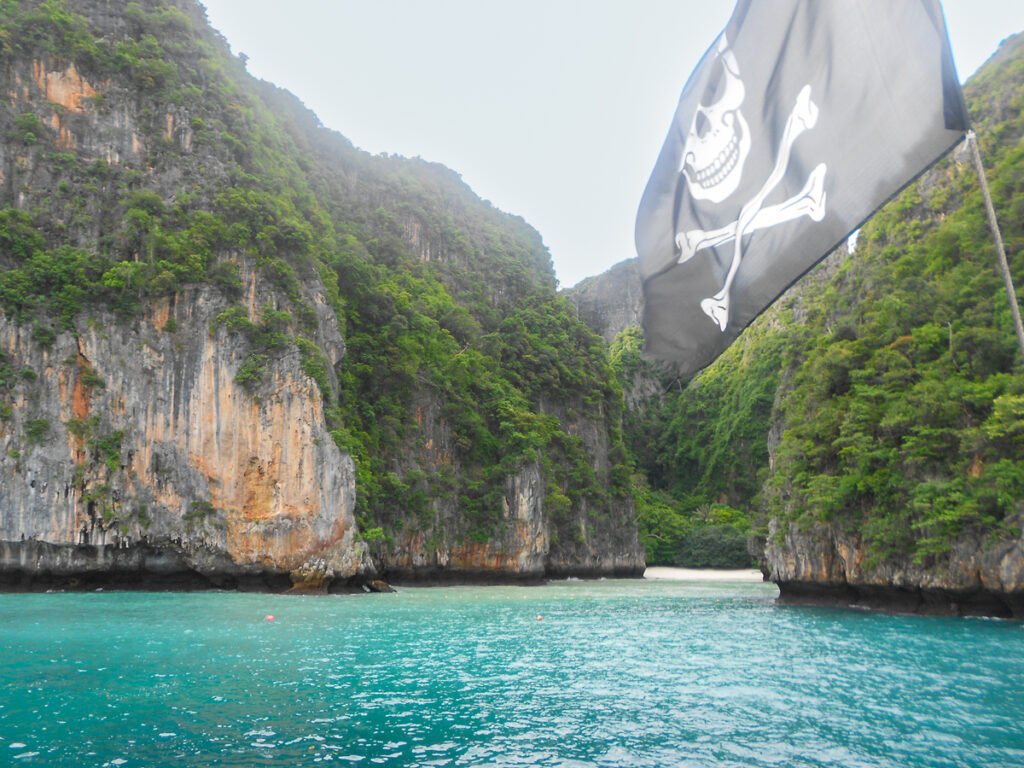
(269, 617)
(539, 617)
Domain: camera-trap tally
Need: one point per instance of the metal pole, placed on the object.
(1004, 266)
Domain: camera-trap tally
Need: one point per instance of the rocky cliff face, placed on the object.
(529, 539)
(171, 344)
(827, 564)
(612, 301)
(133, 436)
(834, 564)
(130, 451)
(586, 541)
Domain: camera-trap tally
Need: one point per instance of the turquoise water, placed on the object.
(618, 673)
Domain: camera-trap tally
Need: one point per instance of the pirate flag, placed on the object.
(802, 118)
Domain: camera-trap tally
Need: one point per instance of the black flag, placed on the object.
(802, 119)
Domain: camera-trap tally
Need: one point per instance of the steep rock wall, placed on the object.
(517, 540)
(827, 564)
(831, 563)
(589, 539)
(131, 435)
(612, 301)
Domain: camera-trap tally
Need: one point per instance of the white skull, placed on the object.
(719, 140)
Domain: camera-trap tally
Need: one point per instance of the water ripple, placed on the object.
(617, 674)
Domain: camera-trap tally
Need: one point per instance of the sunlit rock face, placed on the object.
(130, 448)
(147, 437)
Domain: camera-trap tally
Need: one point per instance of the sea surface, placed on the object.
(605, 673)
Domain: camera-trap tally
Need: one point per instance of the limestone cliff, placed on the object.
(612, 301)
(211, 304)
(834, 563)
(830, 564)
(134, 436)
(529, 535)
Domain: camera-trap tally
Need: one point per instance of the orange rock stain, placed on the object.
(81, 396)
(64, 87)
(160, 313)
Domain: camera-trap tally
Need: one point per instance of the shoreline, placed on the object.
(743, 575)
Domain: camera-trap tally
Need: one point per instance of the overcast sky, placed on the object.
(554, 110)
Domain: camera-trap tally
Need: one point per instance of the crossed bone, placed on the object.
(809, 201)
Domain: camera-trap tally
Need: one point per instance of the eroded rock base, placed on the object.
(938, 602)
(158, 565)
(176, 565)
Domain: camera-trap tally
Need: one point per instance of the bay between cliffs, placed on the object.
(602, 673)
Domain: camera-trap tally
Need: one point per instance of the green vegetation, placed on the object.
(203, 517)
(266, 339)
(410, 342)
(9, 379)
(903, 418)
(28, 129)
(36, 431)
(703, 451)
(89, 378)
(108, 448)
(710, 536)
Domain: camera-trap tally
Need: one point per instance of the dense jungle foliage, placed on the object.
(442, 300)
(701, 450)
(898, 392)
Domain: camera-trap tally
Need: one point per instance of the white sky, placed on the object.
(554, 110)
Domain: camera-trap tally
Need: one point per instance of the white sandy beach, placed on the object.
(702, 574)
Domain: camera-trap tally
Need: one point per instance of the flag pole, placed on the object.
(1004, 266)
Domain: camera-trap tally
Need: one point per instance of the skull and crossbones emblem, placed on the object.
(716, 149)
